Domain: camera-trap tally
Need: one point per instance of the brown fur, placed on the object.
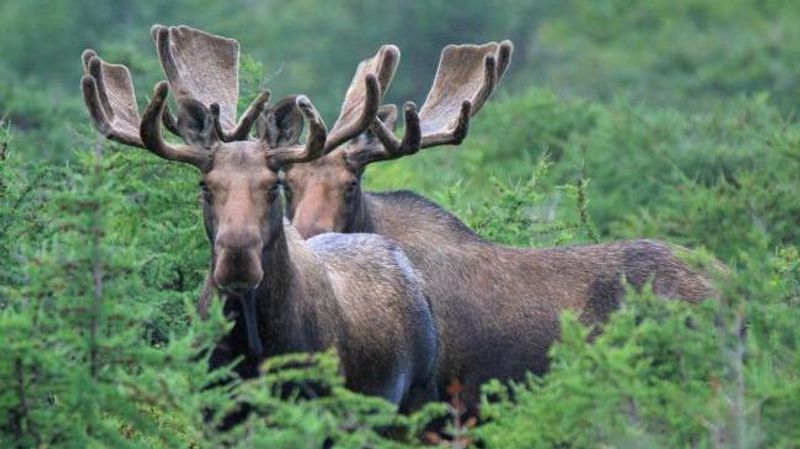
(497, 308)
(318, 293)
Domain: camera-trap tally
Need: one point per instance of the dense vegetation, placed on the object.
(656, 119)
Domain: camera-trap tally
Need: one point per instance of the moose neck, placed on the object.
(361, 218)
(294, 297)
(413, 221)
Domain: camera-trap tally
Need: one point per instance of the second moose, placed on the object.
(497, 308)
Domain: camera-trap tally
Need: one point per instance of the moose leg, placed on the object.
(419, 395)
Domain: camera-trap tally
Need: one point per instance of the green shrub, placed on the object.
(665, 374)
(651, 119)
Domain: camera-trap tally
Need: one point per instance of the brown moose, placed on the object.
(355, 292)
(497, 308)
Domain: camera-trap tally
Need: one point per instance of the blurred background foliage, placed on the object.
(689, 54)
(667, 91)
(617, 119)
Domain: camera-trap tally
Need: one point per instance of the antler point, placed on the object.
(87, 81)
(87, 55)
(390, 51)
(302, 101)
(162, 32)
(94, 65)
(161, 89)
(155, 30)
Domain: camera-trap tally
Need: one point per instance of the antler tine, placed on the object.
(392, 147)
(205, 67)
(110, 99)
(150, 132)
(315, 142)
(169, 121)
(360, 106)
(251, 114)
(504, 58)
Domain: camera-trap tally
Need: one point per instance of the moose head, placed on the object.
(325, 195)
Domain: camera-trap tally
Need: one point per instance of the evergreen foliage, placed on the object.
(649, 119)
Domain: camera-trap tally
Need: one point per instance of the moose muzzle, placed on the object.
(237, 273)
(237, 267)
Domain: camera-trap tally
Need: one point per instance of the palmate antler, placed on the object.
(110, 98)
(360, 107)
(466, 77)
(111, 101)
(205, 67)
(203, 74)
(278, 124)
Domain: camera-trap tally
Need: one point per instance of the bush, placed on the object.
(664, 374)
(652, 119)
(102, 342)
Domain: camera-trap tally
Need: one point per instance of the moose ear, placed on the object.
(196, 124)
(282, 124)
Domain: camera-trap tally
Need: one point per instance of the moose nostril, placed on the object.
(237, 276)
(236, 288)
(238, 241)
(237, 262)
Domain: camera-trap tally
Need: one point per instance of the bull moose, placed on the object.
(291, 295)
(497, 308)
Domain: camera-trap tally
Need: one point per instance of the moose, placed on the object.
(497, 308)
(355, 292)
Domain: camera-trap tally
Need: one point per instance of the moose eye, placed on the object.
(351, 188)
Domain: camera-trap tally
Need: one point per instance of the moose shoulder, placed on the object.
(497, 308)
